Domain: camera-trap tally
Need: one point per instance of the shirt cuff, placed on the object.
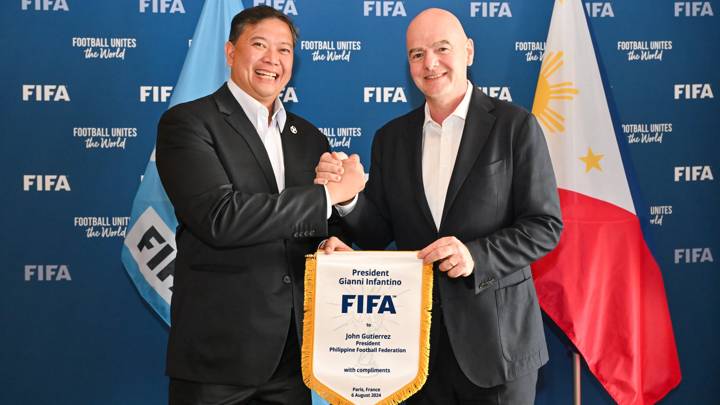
(346, 209)
(328, 202)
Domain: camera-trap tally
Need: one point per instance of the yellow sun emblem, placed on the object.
(552, 120)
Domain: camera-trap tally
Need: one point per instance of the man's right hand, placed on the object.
(343, 176)
(330, 167)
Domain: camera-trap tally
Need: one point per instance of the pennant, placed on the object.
(366, 337)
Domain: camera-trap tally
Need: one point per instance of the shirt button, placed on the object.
(287, 279)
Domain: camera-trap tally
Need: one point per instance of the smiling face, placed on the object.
(439, 53)
(261, 59)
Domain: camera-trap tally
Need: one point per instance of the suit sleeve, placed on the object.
(536, 209)
(209, 206)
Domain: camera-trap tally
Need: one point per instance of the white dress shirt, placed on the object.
(269, 133)
(440, 147)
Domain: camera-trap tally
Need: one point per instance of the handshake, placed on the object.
(343, 176)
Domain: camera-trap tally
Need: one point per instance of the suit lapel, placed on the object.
(235, 116)
(413, 139)
(291, 143)
(478, 124)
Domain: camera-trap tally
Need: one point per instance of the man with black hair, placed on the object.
(238, 169)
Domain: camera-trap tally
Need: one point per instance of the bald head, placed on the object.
(438, 19)
(439, 53)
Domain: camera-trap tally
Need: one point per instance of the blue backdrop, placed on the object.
(85, 82)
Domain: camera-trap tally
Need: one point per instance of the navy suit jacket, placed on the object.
(501, 202)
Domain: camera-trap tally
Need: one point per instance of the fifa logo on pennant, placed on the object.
(367, 304)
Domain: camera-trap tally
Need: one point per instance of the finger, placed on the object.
(429, 248)
(326, 167)
(440, 253)
(320, 181)
(457, 271)
(448, 263)
(340, 155)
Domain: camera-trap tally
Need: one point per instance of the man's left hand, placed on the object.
(453, 255)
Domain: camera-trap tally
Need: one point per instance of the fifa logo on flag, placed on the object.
(152, 246)
(384, 9)
(162, 6)
(286, 6)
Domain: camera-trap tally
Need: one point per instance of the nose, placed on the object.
(272, 56)
(431, 61)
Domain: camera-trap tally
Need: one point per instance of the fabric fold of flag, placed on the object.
(601, 285)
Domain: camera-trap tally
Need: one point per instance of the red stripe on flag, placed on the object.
(603, 288)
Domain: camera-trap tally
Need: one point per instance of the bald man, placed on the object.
(467, 180)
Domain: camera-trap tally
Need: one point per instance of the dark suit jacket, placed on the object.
(241, 244)
(501, 202)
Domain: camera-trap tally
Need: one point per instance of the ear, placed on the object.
(229, 53)
(470, 48)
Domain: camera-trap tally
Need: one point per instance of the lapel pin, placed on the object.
(293, 129)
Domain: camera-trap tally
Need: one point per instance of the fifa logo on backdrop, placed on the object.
(490, 9)
(384, 9)
(693, 173)
(288, 95)
(693, 91)
(47, 272)
(286, 6)
(693, 255)
(157, 94)
(45, 92)
(599, 9)
(384, 95)
(499, 92)
(162, 6)
(45, 182)
(44, 5)
(693, 9)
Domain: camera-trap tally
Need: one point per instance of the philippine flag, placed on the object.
(601, 285)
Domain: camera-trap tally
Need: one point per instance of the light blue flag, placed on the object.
(149, 249)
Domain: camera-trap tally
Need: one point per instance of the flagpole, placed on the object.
(576, 378)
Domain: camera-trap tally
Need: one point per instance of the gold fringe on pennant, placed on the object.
(425, 318)
(309, 333)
